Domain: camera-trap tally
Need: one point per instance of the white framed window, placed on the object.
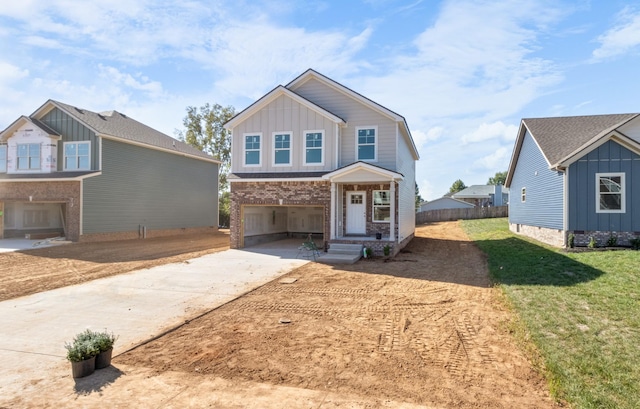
(523, 195)
(610, 193)
(3, 158)
(281, 148)
(367, 143)
(77, 155)
(252, 149)
(28, 156)
(381, 206)
(314, 147)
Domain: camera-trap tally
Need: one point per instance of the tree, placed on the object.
(418, 197)
(457, 186)
(224, 206)
(204, 130)
(498, 179)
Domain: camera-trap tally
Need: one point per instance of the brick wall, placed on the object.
(372, 227)
(316, 193)
(67, 193)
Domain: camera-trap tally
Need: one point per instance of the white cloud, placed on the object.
(10, 73)
(495, 130)
(138, 83)
(621, 39)
(496, 160)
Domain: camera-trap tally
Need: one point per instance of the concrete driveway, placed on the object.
(136, 306)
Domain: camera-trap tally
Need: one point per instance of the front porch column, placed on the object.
(333, 212)
(392, 222)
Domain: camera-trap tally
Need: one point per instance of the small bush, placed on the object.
(635, 243)
(612, 241)
(592, 243)
(572, 240)
(368, 251)
(386, 250)
(81, 350)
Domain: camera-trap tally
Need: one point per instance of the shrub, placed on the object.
(635, 243)
(386, 250)
(104, 340)
(612, 241)
(592, 243)
(81, 350)
(572, 240)
(368, 251)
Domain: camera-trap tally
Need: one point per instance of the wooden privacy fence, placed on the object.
(443, 215)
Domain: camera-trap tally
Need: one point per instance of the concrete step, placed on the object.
(342, 248)
(330, 258)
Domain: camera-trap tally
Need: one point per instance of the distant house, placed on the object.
(444, 203)
(317, 157)
(96, 176)
(484, 195)
(576, 175)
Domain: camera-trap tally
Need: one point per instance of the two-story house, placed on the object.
(98, 176)
(317, 157)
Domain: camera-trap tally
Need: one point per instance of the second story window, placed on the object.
(28, 156)
(281, 149)
(3, 158)
(76, 155)
(252, 149)
(366, 140)
(313, 141)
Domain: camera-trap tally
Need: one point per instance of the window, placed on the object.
(28, 156)
(76, 155)
(3, 158)
(610, 193)
(252, 150)
(313, 147)
(281, 148)
(366, 143)
(523, 195)
(381, 206)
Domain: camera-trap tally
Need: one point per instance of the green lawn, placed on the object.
(580, 310)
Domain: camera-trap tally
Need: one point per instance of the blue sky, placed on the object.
(463, 73)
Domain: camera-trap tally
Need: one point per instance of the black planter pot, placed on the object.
(103, 359)
(84, 368)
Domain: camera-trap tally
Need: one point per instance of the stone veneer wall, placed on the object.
(67, 193)
(582, 237)
(315, 193)
(128, 235)
(553, 237)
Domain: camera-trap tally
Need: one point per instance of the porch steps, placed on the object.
(340, 253)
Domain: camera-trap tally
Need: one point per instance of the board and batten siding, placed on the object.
(609, 157)
(406, 190)
(284, 115)
(141, 186)
(71, 131)
(356, 114)
(544, 190)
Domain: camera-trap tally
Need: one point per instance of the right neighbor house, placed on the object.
(576, 175)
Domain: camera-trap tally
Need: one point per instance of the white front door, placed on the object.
(356, 213)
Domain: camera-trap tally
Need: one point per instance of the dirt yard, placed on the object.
(425, 328)
(31, 271)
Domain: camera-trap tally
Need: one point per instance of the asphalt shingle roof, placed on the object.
(116, 124)
(561, 136)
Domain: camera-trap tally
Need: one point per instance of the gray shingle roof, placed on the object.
(560, 137)
(118, 125)
(478, 191)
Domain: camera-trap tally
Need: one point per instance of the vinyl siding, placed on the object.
(406, 190)
(71, 131)
(544, 190)
(357, 115)
(632, 129)
(284, 115)
(140, 186)
(610, 157)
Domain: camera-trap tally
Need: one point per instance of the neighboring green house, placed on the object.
(99, 176)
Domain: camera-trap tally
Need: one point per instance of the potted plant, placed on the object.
(103, 341)
(82, 355)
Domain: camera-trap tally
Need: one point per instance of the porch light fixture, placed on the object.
(280, 201)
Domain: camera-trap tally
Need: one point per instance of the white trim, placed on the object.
(375, 144)
(18, 169)
(373, 205)
(304, 147)
(333, 213)
(77, 178)
(623, 189)
(614, 136)
(523, 194)
(565, 201)
(64, 155)
(273, 148)
(317, 179)
(80, 222)
(392, 219)
(362, 193)
(99, 153)
(337, 158)
(244, 149)
(354, 167)
(155, 148)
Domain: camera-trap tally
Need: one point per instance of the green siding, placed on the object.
(71, 131)
(141, 186)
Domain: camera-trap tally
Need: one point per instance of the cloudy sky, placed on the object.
(462, 72)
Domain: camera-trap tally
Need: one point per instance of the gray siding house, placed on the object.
(317, 157)
(99, 176)
(576, 175)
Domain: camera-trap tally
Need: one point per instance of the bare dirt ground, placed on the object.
(32, 271)
(425, 328)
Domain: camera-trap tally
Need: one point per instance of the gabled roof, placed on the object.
(118, 126)
(312, 74)
(24, 120)
(477, 191)
(560, 138)
(448, 199)
(355, 171)
(272, 95)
